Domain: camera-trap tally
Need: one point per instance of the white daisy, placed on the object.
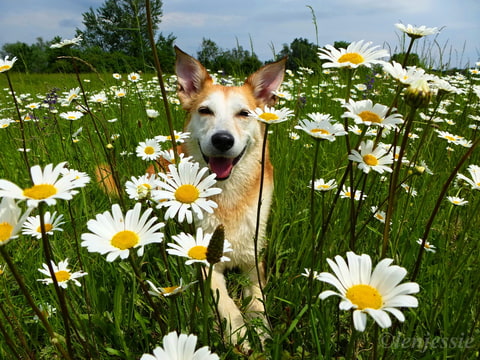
(185, 189)
(320, 127)
(6, 64)
(180, 347)
(11, 220)
(79, 178)
(346, 193)
(427, 246)
(372, 159)
(458, 201)
(366, 113)
(179, 137)
(148, 149)
(169, 290)
(366, 292)
(195, 248)
(71, 115)
(134, 77)
(4, 123)
(356, 54)
(270, 115)
(152, 114)
(416, 32)
(169, 156)
(73, 94)
(62, 274)
(48, 186)
(378, 214)
(321, 185)
(141, 187)
(474, 181)
(52, 223)
(67, 42)
(115, 234)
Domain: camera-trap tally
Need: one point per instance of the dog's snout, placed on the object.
(223, 140)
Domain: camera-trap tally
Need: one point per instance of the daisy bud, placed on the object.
(215, 247)
(418, 94)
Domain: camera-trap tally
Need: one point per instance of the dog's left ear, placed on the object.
(266, 80)
(191, 75)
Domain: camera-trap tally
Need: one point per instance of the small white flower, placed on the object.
(195, 248)
(62, 274)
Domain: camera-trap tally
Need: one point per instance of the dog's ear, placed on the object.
(191, 76)
(266, 80)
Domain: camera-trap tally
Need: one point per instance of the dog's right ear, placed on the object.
(191, 77)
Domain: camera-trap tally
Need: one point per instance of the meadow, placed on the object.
(419, 213)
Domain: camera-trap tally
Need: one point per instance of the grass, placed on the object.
(110, 316)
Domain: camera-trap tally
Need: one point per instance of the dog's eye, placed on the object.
(244, 113)
(204, 110)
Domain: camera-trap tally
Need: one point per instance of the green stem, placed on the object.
(60, 294)
(440, 198)
(53, 336)
(158, 68)
(394, 181)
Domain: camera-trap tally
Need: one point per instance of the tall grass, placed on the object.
(110, 316)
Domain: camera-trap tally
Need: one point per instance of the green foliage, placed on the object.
(237, 61)
(120, 26)
(300, 53)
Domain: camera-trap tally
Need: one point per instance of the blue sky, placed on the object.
(268, 24)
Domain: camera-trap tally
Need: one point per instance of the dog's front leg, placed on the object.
(256, 307)
(227, 308)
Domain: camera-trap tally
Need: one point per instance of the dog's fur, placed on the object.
(228, 141)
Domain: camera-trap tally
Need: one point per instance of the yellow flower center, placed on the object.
(364, 296)
(323, 186)
(40, 192)
(72, 117)
(269, 116)
(370, 116)
(5, 68)
(4, 126)
(5, 231)
(353, 58)
(62, 275)
(48, 227)
(370, 160)
(198, 252)
(125, 239)
(187, 193)
(149, 150)
(450, 138)
(321, 131)
(169, 289)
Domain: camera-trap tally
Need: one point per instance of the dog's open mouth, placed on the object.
(222, 166)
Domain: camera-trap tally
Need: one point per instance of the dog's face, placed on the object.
(221, 131)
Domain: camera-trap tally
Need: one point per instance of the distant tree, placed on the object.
(413, 59)
(300, 52)
(166, 53)
(341, 44)
(120, 25)
(31, 58)
(209, 52)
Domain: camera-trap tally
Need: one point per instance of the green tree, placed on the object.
(301, 52)
(208, 54)
(120, 25)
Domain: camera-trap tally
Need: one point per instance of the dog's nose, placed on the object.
(223, 140)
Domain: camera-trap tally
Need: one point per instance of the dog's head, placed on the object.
(221, 130)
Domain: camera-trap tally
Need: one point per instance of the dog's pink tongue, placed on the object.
(221, 166)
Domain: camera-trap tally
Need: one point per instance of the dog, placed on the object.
(226, 139)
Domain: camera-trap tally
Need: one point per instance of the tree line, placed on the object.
(115, 38)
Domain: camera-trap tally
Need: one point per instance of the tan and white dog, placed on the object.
(226, 139)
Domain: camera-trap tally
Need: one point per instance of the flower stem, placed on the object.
(60, 295)
(158, 68)
(18, 278)
(440, 198)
